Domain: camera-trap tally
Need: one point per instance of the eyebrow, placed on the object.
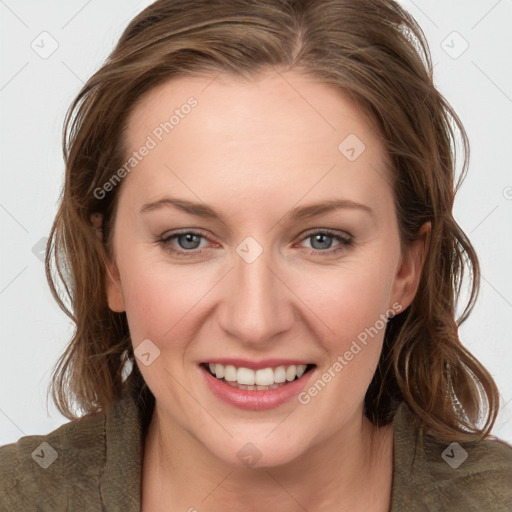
(299, 213)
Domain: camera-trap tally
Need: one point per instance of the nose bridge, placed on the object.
(256, 305)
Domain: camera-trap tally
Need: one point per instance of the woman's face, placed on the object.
(220, 257)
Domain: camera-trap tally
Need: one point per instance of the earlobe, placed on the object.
(409, 273)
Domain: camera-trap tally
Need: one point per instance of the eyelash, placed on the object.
(345, 241)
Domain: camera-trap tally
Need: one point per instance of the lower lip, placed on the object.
(252, 399)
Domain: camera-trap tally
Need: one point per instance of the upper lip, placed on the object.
(256, 365)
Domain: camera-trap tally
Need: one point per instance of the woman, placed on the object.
(256, 236)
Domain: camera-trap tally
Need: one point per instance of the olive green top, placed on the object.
(94, 464)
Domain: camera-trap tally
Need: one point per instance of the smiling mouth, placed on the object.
(257, 380)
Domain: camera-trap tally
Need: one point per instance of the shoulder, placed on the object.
(38, 472)
(450, 476)
(92, 463)
(474, 476)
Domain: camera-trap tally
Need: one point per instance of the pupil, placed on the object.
(189, 239)
(319, 237)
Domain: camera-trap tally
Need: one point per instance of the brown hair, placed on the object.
(373, 52)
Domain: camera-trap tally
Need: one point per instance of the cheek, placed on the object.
(348, 309)
(347, 301)
(159, 298)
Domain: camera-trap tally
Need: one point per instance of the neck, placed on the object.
(353, 469)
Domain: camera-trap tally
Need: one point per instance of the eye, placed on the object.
(188, 243)
(322, 241)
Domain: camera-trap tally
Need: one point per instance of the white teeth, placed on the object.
(280, 374)
(229, 372)
(291, 372)
(245, 376)
(253, 379)
(219, 371)
(264, 377)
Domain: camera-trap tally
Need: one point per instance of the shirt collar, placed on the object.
(120, 482)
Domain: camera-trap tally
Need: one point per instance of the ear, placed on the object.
(113, 287)
(409, 271)
(114, 290)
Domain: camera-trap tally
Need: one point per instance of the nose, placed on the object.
(257, 302)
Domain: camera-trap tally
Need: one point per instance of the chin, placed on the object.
(257, 452)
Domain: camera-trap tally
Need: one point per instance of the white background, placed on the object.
(34, 96)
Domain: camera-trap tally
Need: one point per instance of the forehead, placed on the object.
(280, 133)
(298, 102)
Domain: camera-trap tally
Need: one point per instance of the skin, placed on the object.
(253, 151)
